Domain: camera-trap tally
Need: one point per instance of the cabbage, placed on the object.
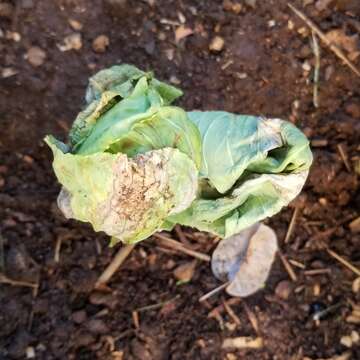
(134, 164)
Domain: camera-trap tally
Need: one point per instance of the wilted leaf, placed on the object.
(245, 259)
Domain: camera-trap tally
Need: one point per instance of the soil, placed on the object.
(261, 70)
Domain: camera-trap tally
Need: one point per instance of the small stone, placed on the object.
(353, 109)
(174, 80)
(346, 341)
(316, 289)
(84, 339)
(76, 25)
(99, 298)
(8, 72)
(236, 8)
(291, 25)
(306, 66)
(97, 326)
(185, 272)
(13, 35)
(36, 56)
(322, 5)
(30, 352)
(217, 44)
(356, 285)
(251, 3)
(79, 316)
(100, 43)
(161, 36)
(283, 289)
(231, 356)
(233, 7)
(227, 5)
(271, 23)
(241, 76)
(27, 4)
(355, 337)
(355, 226)
(6, 10)
(71, 42)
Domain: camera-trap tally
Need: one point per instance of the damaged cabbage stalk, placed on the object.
(135, 164)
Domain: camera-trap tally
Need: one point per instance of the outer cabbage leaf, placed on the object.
(234, 143)
(251, 168)
(255, 198)
(110, 86)
(128, 199)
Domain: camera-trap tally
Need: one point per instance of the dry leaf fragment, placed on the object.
(182, 32)
(243, 342)
(245, 259)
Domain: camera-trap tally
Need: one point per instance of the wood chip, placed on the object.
(182, 32)
(243, 342)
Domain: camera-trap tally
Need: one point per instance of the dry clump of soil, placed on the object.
(262, 64)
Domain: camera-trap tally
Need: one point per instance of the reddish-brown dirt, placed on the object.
(261, 70)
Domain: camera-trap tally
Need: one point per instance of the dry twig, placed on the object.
(291, 225)
(252, 317)
(119, 258)
(2, 254)
(156, 306)
(180, 234)
(57, 249)
(5, 280)
(343, 261)
(344, 157)
(337, 51)
(317, 272)
(316, 49)
(176, 245)
(214, 291)
(231, 313)
(288, 267)
(135, 317)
